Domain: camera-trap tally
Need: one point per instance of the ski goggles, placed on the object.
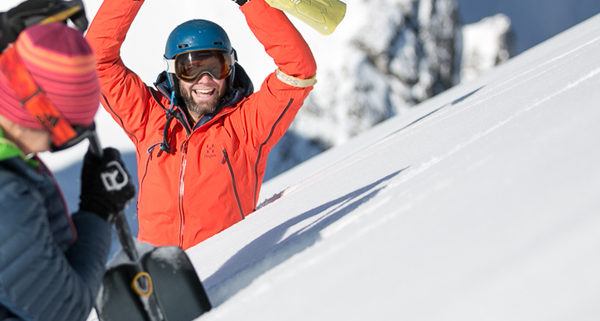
(35, 101)
(188, 66)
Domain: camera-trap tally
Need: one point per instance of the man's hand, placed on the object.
(106, 186)
(32, 12)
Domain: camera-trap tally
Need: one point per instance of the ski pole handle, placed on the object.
(120, 221)
(95, 146)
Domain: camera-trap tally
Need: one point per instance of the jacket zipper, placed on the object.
(181, 191)
(260, 150)
(237, 197)
(150, 150)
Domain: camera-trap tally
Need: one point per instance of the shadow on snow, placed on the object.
(269, 250)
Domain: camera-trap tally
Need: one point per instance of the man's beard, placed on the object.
(205, 107)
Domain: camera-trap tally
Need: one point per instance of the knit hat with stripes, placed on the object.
(62, 63)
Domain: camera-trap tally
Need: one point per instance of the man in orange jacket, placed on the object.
(202, 136)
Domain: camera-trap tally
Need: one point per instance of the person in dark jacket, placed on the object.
(52, 263)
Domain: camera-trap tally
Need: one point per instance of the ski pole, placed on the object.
(142, 281)
(123, 229)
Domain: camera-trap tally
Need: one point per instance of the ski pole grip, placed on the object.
(123, 230)
(95, 146)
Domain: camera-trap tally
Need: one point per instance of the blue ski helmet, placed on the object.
(197, 35)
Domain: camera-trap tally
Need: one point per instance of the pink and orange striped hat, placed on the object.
(62, 63)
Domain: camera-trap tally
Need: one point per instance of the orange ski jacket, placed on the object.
(211, 177)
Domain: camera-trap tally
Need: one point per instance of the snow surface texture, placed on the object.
(481, 204)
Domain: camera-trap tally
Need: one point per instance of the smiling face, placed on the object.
(202, 96)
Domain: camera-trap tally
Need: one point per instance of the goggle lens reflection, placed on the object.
(191, 65)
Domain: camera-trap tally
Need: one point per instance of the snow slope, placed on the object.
(480, 205)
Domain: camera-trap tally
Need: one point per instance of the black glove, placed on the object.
(32, 12)
(106, 186)
(240, 2)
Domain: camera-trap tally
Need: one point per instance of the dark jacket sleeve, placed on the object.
(37, 280)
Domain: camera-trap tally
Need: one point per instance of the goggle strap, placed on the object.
(33, 98)
(171, 66)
